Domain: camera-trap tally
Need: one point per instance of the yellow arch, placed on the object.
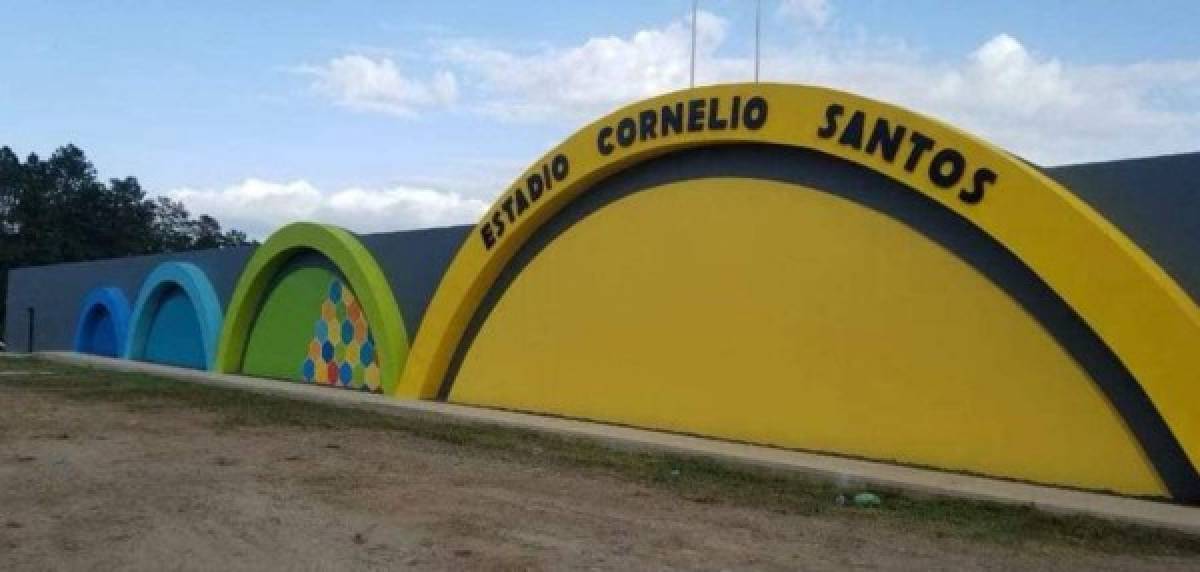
(1127, 299)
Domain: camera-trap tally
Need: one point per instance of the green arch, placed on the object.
(355, 263)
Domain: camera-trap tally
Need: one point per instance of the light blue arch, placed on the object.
(158, 290)
(102, 323)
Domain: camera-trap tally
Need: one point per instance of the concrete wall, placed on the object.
(413, 262)
(55, 291)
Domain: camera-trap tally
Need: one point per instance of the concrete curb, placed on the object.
(838, 469)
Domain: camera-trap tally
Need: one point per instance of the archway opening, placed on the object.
(311, 327)
(102, 323)
(176, 319)
(314, 306)
(99, 335)
(174, 335)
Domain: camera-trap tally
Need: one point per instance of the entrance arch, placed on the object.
(355, 336)
(176, 319)
(1134, 309)
(103, 322)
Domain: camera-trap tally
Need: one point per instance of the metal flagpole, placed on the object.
(757, 35)
(692, 81)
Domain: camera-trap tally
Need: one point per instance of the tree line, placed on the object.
(59, 210)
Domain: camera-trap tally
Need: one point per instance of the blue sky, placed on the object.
(385, 115)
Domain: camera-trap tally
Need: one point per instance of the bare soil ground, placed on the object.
(112, 471)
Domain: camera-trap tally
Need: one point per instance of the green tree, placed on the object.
(172, 226)
(11, 182)
(58, 210)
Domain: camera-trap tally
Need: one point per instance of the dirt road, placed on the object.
(153, 484)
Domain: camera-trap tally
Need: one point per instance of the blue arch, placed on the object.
(176, 319)
(102, 323)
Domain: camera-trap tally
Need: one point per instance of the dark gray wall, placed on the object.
(55, 291)
(1155, 201)
(413, 262)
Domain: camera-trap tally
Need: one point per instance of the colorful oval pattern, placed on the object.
(345, 359)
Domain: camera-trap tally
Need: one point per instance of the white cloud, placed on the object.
(258, 207)
(1045, 109)
(363, 83)
(584, 80)
(1039, 107)
(808, 12)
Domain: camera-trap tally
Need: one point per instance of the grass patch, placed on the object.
(694, 478)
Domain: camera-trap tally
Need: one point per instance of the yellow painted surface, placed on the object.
(769, 313)
(1143, 316)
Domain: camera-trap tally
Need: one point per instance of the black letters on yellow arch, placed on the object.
(755, 303)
